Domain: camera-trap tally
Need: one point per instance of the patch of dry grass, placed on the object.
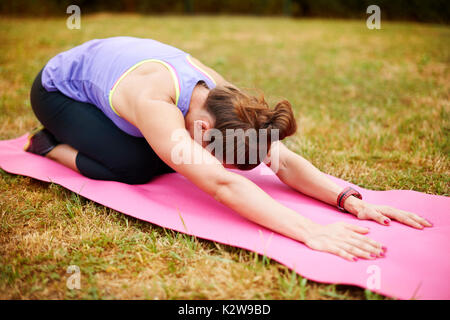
(373, 108)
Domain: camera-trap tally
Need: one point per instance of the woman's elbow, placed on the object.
(225, 188)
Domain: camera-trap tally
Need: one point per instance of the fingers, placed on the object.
(411, 222)
(355, 228)
(352, 244)
(371, 213)
(361, 246)
(352, 251)
(364, 249)
(376, 245)
(406, 217)
(380, 218)
(421, 220)
(415, 217)
(342, 253)
(356, 251)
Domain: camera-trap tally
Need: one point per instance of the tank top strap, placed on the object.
(187, 75)
(209, 80)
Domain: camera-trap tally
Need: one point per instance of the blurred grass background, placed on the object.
(372, 107)
(435, 11)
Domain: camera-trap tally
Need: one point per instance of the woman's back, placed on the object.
(90, 72)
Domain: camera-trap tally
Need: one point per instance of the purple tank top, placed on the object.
(90, 72)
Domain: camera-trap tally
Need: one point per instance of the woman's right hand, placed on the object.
(345, 240)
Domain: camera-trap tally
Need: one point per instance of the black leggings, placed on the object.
(104, 151)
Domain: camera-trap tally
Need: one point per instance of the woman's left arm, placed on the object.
(300, 174)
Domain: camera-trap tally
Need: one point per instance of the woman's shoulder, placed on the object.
(150, 80)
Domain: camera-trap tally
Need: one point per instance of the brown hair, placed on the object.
(235, 109)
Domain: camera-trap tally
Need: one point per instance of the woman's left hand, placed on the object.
(383, 213)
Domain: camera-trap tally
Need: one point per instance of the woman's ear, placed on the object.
(206, 126)
(200, 127)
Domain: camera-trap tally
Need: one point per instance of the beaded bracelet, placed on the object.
(347, 192)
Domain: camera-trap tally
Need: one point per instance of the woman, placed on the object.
(110, 107)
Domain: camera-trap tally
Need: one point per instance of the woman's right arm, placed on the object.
(158, 120)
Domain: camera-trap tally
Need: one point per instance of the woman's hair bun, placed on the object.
(282, 118)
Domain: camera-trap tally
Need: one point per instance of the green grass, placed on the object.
(373, 109)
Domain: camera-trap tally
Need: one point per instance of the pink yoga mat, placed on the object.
(417, 262)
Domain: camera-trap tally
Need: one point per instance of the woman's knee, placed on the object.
(130, 172)
(133, 173)
(136, 179)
